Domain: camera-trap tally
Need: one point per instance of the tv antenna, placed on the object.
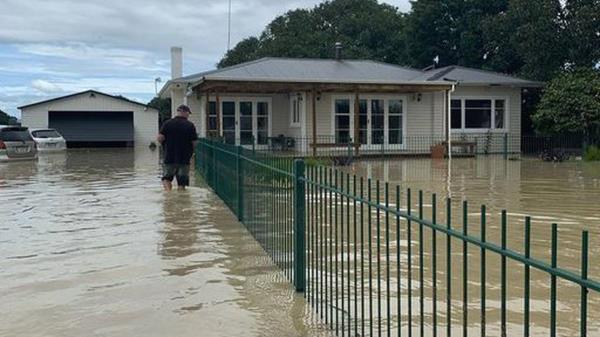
(229, 27)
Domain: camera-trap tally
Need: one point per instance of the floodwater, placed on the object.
(91, 246)
(565, 193)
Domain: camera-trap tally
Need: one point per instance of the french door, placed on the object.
(381, 121)
(246, 121)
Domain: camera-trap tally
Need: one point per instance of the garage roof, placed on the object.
(91, 91)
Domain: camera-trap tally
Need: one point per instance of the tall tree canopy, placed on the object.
(366, 28)
(450, 30)
(526, 39)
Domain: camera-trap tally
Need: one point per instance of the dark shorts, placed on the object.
(179, 171)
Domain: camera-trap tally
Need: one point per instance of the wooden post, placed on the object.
(207, 119)
(313, 99)
(218, 108)
(356, 122)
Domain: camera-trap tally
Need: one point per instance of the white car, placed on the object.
(48, 140)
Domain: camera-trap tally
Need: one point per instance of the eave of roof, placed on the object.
(84, 92)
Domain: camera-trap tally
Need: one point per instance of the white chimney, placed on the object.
(176, 62)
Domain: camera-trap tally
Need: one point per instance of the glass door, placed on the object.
(262, 123)
(363, 122)
(395, 123)
(229, 122)
(377, 121)
(246, 133)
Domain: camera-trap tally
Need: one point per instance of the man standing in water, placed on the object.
(177, 135)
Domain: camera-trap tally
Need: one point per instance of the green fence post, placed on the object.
(505, 145)
(239, 163)
(299, 225)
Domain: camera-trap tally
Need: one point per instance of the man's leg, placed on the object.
(183, 176)
(167, 178)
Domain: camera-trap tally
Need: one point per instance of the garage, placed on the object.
(94, 128)
(94, 119)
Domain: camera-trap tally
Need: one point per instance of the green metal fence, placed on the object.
(371, 262)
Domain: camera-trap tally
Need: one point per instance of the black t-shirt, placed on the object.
(179, 136)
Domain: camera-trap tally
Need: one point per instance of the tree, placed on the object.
(527, 39)
(6, 119)
(450, 30)
(246, 50)
(582, 32)
(571, 103)
(163, 105)
(366, 29)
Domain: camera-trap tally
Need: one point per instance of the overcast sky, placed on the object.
(52, 47)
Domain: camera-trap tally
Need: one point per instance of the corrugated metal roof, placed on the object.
(310, 70)
(472, 76)
(348, 71)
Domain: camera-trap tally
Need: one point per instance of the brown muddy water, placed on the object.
(91, 246)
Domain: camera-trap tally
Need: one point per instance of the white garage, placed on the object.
(92, 118)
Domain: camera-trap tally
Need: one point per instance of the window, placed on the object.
(499, 114)
(295, 106)
(246, 136)
(478, 114)
(342, 121)
(262, 122)
(395, 122)
(377, 121)
(363, 121)
(456, 114)
(228, 108)
(212, 119)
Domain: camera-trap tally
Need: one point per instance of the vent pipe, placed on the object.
(338, 51)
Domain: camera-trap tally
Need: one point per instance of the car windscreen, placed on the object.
(45, 134)
(15, 135)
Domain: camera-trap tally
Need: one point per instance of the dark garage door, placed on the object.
(94, 128)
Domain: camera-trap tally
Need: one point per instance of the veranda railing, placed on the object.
(370, 266)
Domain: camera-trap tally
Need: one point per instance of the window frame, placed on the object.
(369, 130)
(296, 102)
(493, 99)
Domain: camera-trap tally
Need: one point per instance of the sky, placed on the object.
(50, 48)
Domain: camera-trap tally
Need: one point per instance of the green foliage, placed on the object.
(526, 39)
(592, 153)
(582, 32)
(6, 119)
(163, 105)
(535, 39)
(315, 161)
(450, 30)
(571, 103)
(366, 28)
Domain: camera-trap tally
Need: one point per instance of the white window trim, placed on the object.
(293, 99)
(386, 98)
(254, 100)
(493, 119)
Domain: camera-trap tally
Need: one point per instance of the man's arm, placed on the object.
(161, 133)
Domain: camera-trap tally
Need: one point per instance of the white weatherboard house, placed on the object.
(94, 118)
(318, 104)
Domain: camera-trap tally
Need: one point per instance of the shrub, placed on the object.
(592, 153)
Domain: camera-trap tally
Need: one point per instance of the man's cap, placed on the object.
(184, 108)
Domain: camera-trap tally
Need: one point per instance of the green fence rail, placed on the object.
(371, 262)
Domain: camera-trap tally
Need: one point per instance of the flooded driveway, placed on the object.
(91, 246)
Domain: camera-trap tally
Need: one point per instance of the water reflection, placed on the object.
(90, 245)
(180, 226)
